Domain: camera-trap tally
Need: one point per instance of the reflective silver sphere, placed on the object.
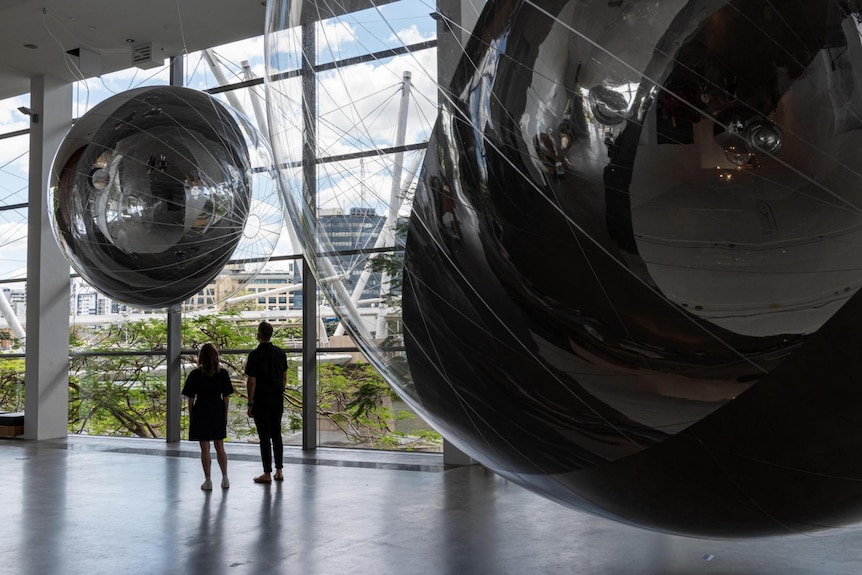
(149, 194)
(631, 278)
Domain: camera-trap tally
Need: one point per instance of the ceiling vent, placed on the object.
(148, 56)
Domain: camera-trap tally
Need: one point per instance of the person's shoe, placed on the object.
(278, 476)
(262, 479)
(225, 483)
(207, 485)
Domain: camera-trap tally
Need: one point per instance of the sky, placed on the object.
(358, 110)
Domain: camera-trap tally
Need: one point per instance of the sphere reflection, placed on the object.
(150, 193)
(631, 268)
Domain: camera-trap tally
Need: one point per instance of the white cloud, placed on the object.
(10, 118)
(361, 103)
(358, 110)
(237, 52)
(411, 35)
(14, 162)
(13, 248)
(334, 34)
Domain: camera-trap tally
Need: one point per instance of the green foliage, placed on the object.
(356, 400)
(123, 392)
(11, 384)
(288, 332)
(392, 264)
(121, 395)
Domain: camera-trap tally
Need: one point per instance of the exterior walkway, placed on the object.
(92, 505)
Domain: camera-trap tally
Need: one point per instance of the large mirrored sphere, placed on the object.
(151, 192)
(632, 267)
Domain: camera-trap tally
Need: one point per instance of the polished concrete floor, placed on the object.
(101, 506)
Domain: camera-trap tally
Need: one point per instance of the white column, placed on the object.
(46, 383)
(174, 377)
(454, 456)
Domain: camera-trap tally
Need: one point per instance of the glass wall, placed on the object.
(118, 368)
(14, 169)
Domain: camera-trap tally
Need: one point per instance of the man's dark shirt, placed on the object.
(267, 364)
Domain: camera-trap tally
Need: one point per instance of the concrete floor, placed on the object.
(94, 505)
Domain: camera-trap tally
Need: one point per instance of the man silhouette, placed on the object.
(266, 369)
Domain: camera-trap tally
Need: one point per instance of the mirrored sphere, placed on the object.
(151, 191)
(632, 265)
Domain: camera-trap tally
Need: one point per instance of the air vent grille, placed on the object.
(147, 56)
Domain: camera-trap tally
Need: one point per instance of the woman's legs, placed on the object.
(206, 463)
(221, 455)
(206, 458)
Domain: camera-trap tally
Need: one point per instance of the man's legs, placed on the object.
(263, 422)
(275, 435)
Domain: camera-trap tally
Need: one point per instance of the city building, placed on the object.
(354, 234)
(267, 290)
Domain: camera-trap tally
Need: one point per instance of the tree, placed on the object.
(392, 265)
(11, 384)
(118, 386)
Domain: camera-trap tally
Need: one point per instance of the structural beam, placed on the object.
(309, 283)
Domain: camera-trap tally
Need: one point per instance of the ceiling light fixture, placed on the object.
(742, 134)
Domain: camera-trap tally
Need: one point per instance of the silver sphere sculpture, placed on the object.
(149, 194)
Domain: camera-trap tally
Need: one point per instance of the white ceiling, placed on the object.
(108, 30)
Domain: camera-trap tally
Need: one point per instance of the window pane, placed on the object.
(14, 194)
(92, 91)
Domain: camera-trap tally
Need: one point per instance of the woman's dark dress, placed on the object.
(208, 420)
